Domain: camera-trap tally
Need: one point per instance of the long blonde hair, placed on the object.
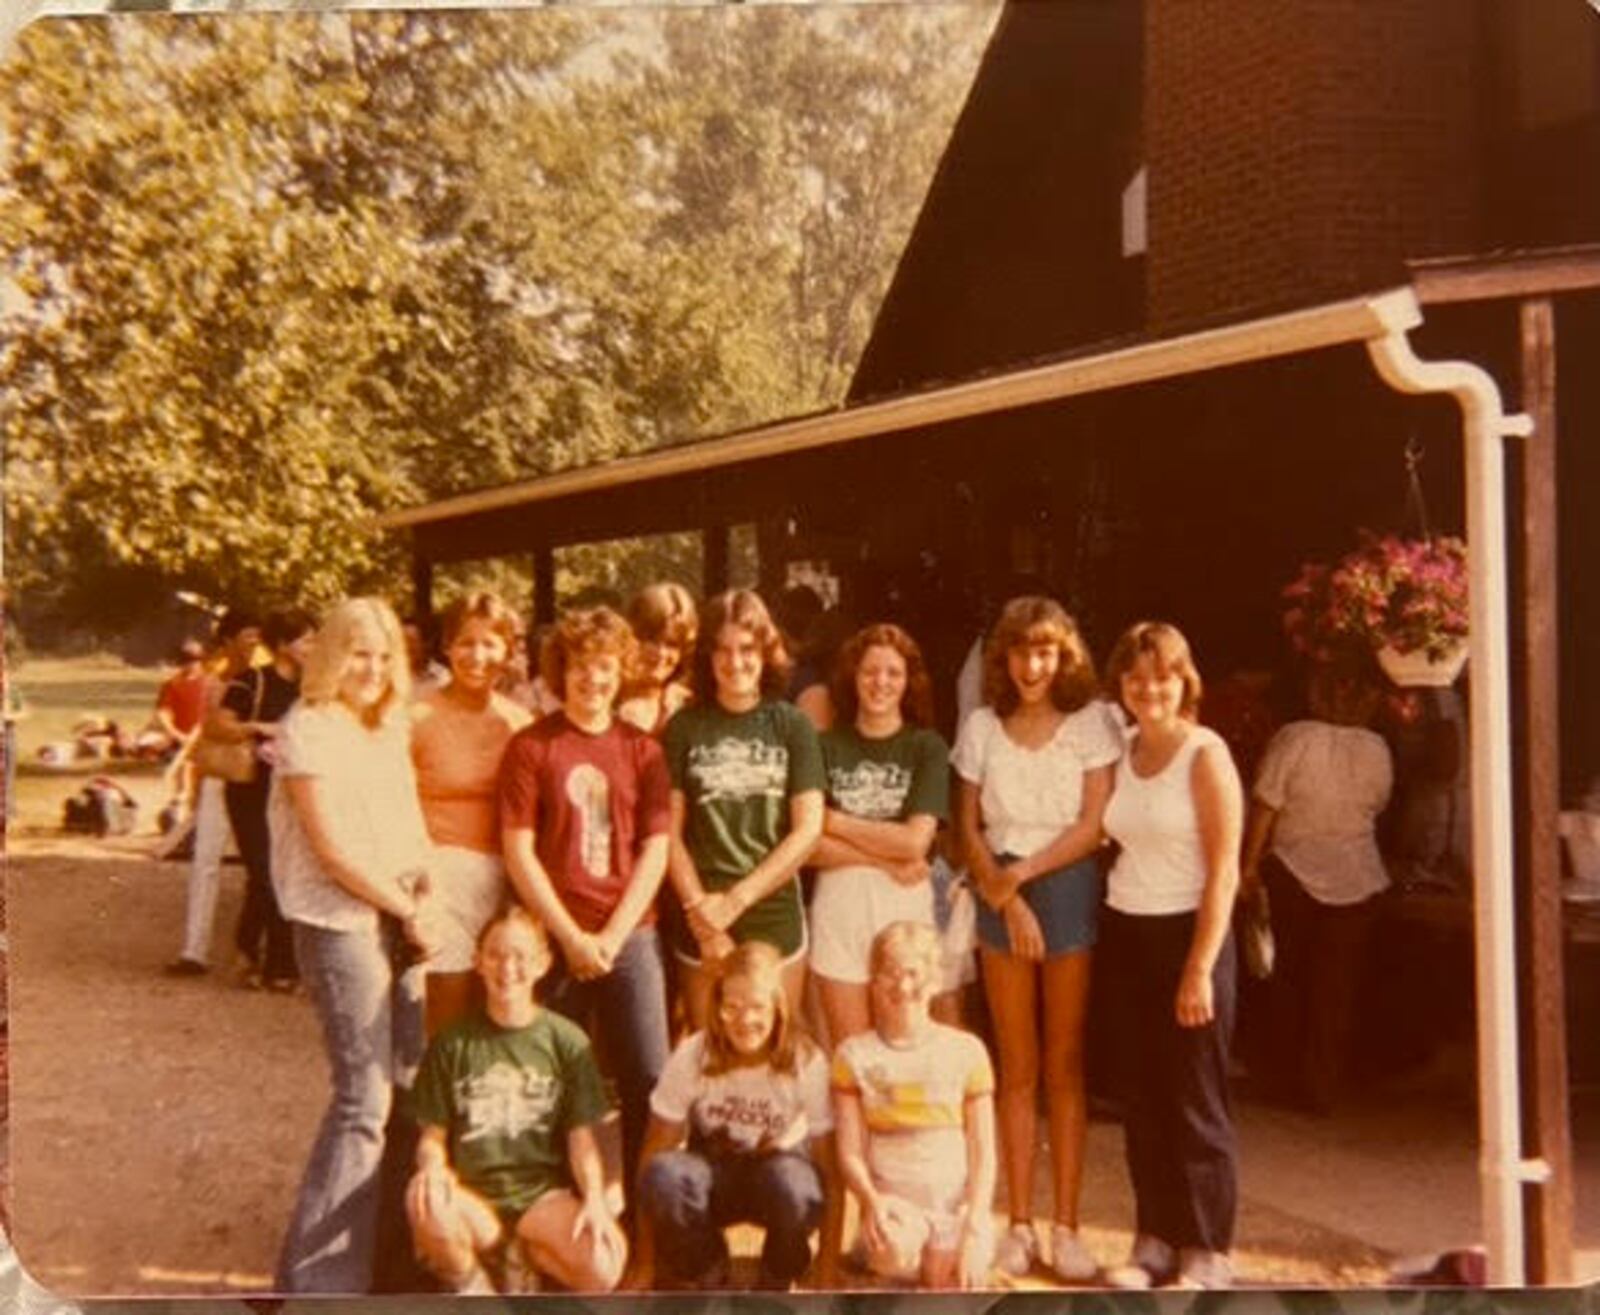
(325, 666)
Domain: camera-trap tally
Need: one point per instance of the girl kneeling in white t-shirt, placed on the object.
(749, 1094)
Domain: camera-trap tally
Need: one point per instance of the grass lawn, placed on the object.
(59, 692)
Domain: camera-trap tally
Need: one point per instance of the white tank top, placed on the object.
(1161, 868)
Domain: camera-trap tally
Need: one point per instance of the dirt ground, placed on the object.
(159, 1125)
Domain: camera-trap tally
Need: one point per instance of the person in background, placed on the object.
(238, 637)
(1312, 843)
(508, 1166)
(747, 806)
(350, 855)
(459, 733)
(665, 624)
(584, 816)
(914, 1124)
(531, 691)
(12, 708)
(181, 700)
(1176, 810)
(888, 783)
(1034, 771)
(427, 672)
(252, 705)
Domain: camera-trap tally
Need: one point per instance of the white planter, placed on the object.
(1418, 670)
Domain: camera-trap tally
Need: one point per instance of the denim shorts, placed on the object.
(1065, 902)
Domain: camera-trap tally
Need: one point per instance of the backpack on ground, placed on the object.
(102, 808)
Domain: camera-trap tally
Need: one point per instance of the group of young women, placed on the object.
(649, 837)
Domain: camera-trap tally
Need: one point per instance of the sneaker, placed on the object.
(475, 1282)
(518, 1278)
(1069, 1258)
(1018, 1251)
(1151, 1264)
(1204, 1269)
(184, 967)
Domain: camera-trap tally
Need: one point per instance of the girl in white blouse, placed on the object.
(1175, 810)
(1034, 772)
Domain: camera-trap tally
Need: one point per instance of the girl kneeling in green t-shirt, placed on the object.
(507, 1100)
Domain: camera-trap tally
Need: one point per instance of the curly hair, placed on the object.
(664, 613)
(325, 666)
(1167, 647)
(581, 634)
(742, 608)
(1034, 619)
(482, 606)
(761, 964)
(916, 704)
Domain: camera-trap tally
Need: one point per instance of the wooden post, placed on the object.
(1547, 1131)
(713, 559)
(422, 591)
(544, 584)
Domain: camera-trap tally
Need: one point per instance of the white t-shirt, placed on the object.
(744, 1109)
(1328, 784)
(1161, 868)
(369, 792)
(913, 1101)
(1029, 796)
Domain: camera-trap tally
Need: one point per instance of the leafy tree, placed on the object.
(267, 276)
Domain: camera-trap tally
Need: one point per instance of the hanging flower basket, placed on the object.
(1403, 597)
(1419, 670)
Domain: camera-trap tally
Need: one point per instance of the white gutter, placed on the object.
(1502, 1169)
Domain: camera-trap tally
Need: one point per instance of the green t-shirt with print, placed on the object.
(738, 772)
(508, 1097)
(889, 779)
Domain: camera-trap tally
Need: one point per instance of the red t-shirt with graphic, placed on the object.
(591, 801)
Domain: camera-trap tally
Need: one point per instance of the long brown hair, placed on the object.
(1022, 621)
(742, 608)
(916, 704)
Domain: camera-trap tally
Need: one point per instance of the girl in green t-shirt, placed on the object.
(746, 801)
(507, 1102)
(888, 789)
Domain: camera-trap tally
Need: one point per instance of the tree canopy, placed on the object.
(268, 275)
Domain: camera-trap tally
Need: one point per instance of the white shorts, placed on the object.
(851, 905)
(468, 888)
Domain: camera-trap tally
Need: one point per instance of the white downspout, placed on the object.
(1502, 1168)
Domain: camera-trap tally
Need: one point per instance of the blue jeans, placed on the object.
(370, 1007)
(629, 1006)
(690, 1198)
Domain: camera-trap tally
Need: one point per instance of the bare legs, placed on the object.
(1013, 986)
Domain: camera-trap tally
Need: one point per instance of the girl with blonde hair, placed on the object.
(350, 854)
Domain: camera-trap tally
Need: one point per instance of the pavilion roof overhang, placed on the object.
(1355, 320)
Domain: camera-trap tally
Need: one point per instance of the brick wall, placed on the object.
(1302, 149)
